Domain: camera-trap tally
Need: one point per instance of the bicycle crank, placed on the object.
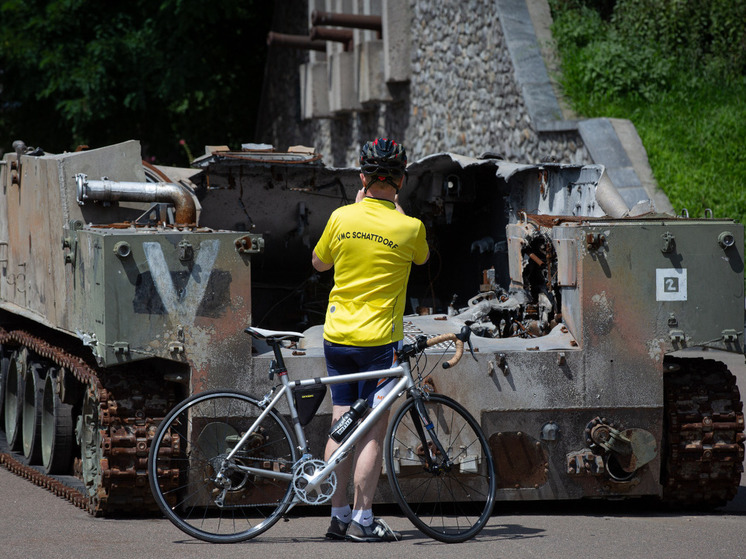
(307, 485)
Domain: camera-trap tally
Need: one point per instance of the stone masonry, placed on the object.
(477, 85)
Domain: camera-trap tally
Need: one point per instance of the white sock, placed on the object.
(343, 513)
(363, 517)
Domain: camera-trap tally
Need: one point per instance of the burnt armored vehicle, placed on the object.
(581, 321)
(581, 312)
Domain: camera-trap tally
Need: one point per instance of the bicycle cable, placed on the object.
(418, 367)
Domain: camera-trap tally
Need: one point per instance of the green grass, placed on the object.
(696, 143)
(690, 114)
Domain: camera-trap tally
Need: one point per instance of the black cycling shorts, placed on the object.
(344, 359)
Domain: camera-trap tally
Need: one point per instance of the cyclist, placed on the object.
(371, 245)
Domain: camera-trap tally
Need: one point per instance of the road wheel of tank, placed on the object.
(57, 433)
(90, 438)
(33, 391)
(4, 366)
(13, 405)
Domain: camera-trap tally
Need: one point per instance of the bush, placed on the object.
(677, 69)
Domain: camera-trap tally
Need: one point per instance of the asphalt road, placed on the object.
(36, 524)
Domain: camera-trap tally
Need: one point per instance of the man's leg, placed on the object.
(368, 459)
(365, 528)
(339, 499)
(341, 512)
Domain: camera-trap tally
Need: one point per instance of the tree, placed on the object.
(87, 72)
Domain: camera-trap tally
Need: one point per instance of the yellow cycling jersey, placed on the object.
(372, 247)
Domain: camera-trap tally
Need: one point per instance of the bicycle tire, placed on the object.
(186, 452)
(449, 504)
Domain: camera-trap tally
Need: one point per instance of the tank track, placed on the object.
(704, 427)
(128, 415)
(56, 484)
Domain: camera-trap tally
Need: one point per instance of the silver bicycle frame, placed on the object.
(405, 382)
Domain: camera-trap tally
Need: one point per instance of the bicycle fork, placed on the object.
(421, 418)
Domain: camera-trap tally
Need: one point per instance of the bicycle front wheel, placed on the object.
(449, 497)
(204, 494)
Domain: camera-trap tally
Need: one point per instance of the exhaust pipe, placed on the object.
(113, 191)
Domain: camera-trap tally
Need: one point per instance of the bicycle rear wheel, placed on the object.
(189, 450)
(450, 499)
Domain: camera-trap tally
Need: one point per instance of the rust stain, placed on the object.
(520, 460)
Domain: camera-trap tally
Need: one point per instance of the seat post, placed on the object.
(280, 368)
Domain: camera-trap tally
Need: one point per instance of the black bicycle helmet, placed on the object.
(383, 159)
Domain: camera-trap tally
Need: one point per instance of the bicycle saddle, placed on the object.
(264, 334)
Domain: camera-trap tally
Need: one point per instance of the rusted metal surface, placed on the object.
(585, 463)
(185, 210)
(343, 36)
(302, 42)
(705, 425)
(238, 158)
(356, 21)
(520, 460)
(631, 448)
(248, 244)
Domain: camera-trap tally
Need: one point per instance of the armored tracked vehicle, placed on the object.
(124, 288)
(114, 304)
(582, 311)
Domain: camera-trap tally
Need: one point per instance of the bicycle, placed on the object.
(225, 466)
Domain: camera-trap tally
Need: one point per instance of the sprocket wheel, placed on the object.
(597, 431)
(89, 436)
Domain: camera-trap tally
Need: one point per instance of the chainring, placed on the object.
(303, 474)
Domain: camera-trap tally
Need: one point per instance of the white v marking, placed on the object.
(182, 306)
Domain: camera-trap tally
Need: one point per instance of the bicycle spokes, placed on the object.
(441, 470)
(208, 495)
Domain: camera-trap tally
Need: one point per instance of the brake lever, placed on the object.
(465, 336)
(471, 350)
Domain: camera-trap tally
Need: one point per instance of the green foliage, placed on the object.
(87, 72)
(709, 33)
(600, 64)
(697, 33)
(677, 69)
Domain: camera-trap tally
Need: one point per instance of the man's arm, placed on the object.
(421, 246)
(318, 264)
